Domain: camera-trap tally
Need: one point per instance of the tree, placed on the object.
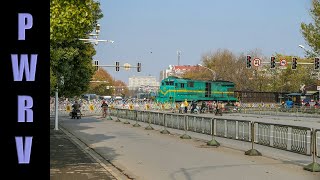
(104, 87)
(70, 58)
(311, 31)
(121, 88)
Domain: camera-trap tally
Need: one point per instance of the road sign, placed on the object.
(283, 62)
(318, 88)
(126, 66)
(256, 62)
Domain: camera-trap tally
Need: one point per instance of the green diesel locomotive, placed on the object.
(174, 89)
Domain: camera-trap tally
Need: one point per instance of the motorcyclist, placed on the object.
(203, 105)
(193, 106)
(76, 108)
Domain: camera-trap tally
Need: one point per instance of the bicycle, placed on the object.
(104, 112)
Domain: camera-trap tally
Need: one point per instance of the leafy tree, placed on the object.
(311, 31)
(103, 87)
(121, 88)
(71, 59)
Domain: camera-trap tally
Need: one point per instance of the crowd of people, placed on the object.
(216, 107)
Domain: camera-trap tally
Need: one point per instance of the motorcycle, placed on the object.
(75, 114)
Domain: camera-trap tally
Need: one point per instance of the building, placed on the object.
(145, 83)
(175, 70)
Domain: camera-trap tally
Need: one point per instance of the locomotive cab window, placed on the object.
(182, 85)
(169, 83)
(190, 84)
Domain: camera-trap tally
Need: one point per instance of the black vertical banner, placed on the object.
(25, 81)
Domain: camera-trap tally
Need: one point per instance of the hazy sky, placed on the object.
(152, 31)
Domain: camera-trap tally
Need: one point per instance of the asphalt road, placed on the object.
(147, 154)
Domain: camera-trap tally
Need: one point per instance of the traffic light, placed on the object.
(139, 67)
(273, 62)
(117, 66)
(316, 63)
(248, 61)
(96, 63)
(294, 63)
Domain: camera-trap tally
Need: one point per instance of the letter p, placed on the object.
(25, 22)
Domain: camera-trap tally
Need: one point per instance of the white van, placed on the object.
(106, 97)
(118, 98)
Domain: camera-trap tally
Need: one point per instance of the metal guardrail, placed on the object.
(296, 139)
(285, 137)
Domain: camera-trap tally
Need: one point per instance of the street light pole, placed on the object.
(212, 71)
(308, 51)
(56, 109)
(315, 54)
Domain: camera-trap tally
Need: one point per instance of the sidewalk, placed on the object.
(69, 162)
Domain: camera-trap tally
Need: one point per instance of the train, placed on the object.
(176, 89)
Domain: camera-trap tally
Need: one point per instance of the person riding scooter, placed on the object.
(76, 109)
(193, 106)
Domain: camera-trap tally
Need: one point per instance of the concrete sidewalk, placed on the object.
(147, 154)
(69, 162)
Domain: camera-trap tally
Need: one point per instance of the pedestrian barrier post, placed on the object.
(136, 117)
(149, 127)
(164, 131)
(185, 135)
(213, 142)
(314, 166)
(117, 120)
(252, 151)
(126, 122)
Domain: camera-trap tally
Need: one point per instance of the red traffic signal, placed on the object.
(294, 63)
(273, 62)
(249, 61)
(96, 64)
(117, 66)
(316, 63)
(139, 67)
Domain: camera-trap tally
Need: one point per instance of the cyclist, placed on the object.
(104, 107)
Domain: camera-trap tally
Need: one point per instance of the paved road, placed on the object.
(68, 161)
(147, 154)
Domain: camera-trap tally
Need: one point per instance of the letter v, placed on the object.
(24, 152)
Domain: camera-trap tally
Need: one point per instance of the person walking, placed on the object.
(186, 104)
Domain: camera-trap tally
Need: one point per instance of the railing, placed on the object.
(296, 139)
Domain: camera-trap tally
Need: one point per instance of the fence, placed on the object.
(296, 139)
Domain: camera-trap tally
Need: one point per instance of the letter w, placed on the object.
(24, 66)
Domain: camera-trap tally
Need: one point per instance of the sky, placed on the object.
(152, 31)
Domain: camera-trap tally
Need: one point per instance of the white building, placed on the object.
(136, 82)
(175, 70)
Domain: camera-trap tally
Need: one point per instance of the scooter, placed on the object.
(75, 114)
(218, 112)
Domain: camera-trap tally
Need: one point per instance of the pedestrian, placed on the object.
(186, 104)
(181, 108)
